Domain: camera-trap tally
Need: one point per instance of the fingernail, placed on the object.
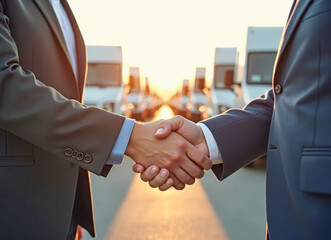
(139, 169)
(168, 182)
(154, 170)
(159, 131)
(163, 173)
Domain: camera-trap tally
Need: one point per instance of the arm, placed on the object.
(241, 135)
(66, 128)
(44, 117)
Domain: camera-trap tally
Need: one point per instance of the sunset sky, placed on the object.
(168, 39)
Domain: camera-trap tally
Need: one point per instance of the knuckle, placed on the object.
(168, 164)
(197, 173)
(180, 143)
(201, 158)
(175, 156)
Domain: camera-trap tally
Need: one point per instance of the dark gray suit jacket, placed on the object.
(47, 142)
(292, 124)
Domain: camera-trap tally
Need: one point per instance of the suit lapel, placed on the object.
(47, 10)
(291, 26)
(80, 47)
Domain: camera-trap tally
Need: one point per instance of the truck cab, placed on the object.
(180, 100)
(152, 100)
(223, 92)
(104, 84)
(135, 96)
(198, 96)
(261, 50)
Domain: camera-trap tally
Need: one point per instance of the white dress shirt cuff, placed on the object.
(117, 153)
(214, 153)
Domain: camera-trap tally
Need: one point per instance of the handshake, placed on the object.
(169, 152)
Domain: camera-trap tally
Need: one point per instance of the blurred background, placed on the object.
(151, 59)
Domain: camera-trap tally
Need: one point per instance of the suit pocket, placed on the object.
(14, 151)
(315, 170)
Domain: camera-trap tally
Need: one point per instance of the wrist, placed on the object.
(130, 150)
(202, 142)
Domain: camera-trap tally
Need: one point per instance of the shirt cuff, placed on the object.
(117, 153)
(214, 153)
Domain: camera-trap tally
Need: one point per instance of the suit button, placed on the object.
(74, 153)
(88, 158)
(80, 156)
(68, 152)
(278, 88)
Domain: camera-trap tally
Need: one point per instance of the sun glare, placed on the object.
(169, 39)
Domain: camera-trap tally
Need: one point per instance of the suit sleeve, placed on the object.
(242, 135)
(42, 116)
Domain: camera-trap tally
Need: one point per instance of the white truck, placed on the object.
(135, 96)
(223, 93)
(197, 103)
(104, 85)
(261, 50)
(152, 100)
(180, 100)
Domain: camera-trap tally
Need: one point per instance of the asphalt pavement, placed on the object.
(128, 209)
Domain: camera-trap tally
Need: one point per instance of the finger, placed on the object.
(166, 185)
(176, 183)
(198, 157)
(138, 168)
(160, 178)
(166, 126)
(191, 168)
(183, 176)
(150, 173)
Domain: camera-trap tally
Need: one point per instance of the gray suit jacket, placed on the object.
(292, 125)
(48, 143)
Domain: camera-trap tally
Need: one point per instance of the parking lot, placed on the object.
(126, 208)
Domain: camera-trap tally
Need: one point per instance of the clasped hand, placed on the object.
(169, 152)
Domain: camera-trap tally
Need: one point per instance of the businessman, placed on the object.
(291, 123)
(49, 141)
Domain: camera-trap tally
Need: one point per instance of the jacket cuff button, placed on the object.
(88, 158)
(80, 156)
(68, 152)
(74, 153)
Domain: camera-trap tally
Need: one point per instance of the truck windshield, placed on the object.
(222, 73)
(260, 67)
(104, 74)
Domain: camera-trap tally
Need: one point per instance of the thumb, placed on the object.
(138, 168)
(167, 126)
